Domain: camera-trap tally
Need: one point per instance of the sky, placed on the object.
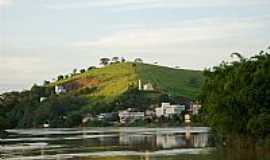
(40, 39)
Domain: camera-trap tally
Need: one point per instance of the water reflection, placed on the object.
(102, 142)
(164, 141)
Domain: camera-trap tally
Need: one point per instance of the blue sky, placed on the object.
(43, 38)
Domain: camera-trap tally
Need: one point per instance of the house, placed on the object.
(148, 87)
(59, 89)
(107, 116)
(130, 115)
(168, 110)
(161, 111)
(149, 115)
(195, 108)
(145, 87)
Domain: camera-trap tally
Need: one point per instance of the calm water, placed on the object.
(108, 144)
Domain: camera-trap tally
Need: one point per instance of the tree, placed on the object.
(74, 72)
(115, 59)
(91, 68)
(123, 60)
(82, 71)
(60, 111)
(138, 60)
(45, 83)
(236, 96)
(104, 61)
(60, 77)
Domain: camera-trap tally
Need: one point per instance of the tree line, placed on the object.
(103, 61)
(236, 96)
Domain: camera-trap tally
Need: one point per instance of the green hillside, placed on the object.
(176, 82)
(112, 81)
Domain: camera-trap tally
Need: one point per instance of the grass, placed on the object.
(115, 80)
(176, 82)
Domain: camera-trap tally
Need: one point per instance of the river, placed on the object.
(192, 143)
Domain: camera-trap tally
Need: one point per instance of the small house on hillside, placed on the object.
(148, 87)
(59, 89)
(145, 87)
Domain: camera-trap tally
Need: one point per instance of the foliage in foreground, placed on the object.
(236, 96)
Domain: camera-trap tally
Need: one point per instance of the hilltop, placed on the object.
(111, 81)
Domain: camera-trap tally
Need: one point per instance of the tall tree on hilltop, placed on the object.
(104, 61)
(123, 60)
(138, 60)
(74, 72)
(115, 59)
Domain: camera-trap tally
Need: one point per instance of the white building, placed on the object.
(168, 110)
(145, 87)
(59, 89)
(140, 85)
(148, 87)
(130, 115)
(195, 108)
(161, 111)
(46, 125)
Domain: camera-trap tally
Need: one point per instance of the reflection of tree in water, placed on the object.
(163, 141)
(243, 148)
(170, 141)
(199, 140)
(137, 141)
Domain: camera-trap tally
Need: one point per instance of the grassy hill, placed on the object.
(108, 89)
(112, 81)
(176, 82)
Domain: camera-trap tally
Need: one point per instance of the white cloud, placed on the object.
(144, 4)
(192, 44)
(168, 36)
(4, 3)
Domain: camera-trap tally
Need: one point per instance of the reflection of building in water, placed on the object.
(165, 141)
(200, 140)
(170, 141)
(137, 139)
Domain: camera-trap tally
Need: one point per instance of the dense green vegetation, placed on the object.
(236, 97)
(24, 110)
